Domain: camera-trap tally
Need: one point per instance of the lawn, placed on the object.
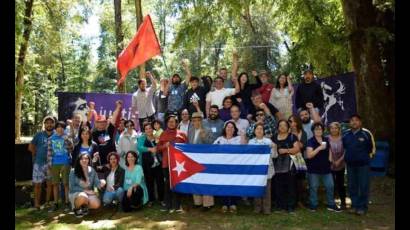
(380, 216)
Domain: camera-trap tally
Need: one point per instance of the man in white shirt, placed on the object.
(216, 97)
(184, 124)
(142, 99)
(241, 124)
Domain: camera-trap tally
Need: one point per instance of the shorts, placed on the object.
(40, 173)
(56, 170)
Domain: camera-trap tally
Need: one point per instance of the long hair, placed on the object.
(235, 133)
(337, 125)
(239, 80)
(297, 121)
(277, 85)
(85, 129)
(117, 156)
(134, 154)
(78, 171)
(280, 121)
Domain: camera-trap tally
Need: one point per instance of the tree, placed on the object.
(370, 33)
(119, 37)
(20, 66)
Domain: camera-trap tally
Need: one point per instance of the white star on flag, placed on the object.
(179, 168)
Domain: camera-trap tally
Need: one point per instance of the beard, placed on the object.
(306, 121)
(213, 117)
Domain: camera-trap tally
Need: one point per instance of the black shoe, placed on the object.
(205, 209)
(67, 207)
(333, 208)
(53, 208)
(196, 206)
(84, 210)
(78, 213)
(312, 208)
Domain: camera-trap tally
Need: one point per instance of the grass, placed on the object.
(380, 216)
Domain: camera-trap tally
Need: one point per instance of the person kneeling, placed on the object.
(82, 182)
(114, 176)
(134, 184)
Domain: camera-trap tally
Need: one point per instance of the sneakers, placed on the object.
(333, 208)
(224, 209)
(180, 210)
(232, 209)
(54, 207)
(78, 213)
(84, 210)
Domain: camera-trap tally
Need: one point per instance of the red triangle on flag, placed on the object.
(181, 166)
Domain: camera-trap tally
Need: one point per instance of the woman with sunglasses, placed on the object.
(128, 141)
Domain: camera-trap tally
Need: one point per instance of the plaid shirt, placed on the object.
(269, 126)
(67, 143)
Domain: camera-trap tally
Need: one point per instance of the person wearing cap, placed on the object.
(38, 148)
(170, 136)
(142, 99)
(161, 99)
(198, 135)
(176, 91)
(309, 92)
(103, 133)
(266, 88)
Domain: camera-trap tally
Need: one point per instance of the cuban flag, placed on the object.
(219, 170)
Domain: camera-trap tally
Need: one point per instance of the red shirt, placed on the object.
(265, 90)
(172, 136)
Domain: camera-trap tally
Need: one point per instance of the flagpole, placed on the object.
(169, 170)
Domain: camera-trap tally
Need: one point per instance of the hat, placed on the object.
(308, 70)
(101, 118)
(196, 115)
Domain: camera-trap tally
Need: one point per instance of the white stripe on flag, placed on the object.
(230, 159)
(227, 179)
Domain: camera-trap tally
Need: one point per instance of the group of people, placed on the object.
(125, 162)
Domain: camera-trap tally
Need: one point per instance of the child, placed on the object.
(157, 133)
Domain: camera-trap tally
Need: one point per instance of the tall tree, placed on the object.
(28, 21)
(119, 37)
(368, 35)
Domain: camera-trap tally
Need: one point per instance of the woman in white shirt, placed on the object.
(264, 204)
(229, 137)
(127, 142)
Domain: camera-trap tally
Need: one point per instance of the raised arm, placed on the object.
(313, 113)
(235, 57)
(187, 71)
(153, 81)
(290, 85)
(116, 116)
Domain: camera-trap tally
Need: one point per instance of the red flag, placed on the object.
(143, 46)
(181, 166)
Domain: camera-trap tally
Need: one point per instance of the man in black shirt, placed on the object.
(309, 92)
(196, 93)
(103, 133)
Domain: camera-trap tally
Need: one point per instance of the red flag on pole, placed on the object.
(143, 46)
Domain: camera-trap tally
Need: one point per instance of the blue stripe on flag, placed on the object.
(226, 149)
(236, 169)
(220, 190)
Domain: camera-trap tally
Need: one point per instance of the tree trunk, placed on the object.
(374, 99)
(138, 10)
(20, 67)
(119, 37)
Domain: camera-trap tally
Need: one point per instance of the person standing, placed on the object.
(308, 117)
(360, 147)
(198, 135)
(241, 124)
(338, 164)
(281, 96)
(38, 148)
(73, 128)
(318, 166)
(309, 92)
(196, 94)
(142, 99)
(161, 99)
(176, 91)
(246, 89)
(213, 123)
(266, 89)
(185, 121)
(128, 141)
(169, 137)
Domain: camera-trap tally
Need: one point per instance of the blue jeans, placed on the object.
(327, 180)
(358, 184)
(108, 197)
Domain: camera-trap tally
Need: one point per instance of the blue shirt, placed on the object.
(60, 155)
(358, 147)
(176, 96)
(40, 141)
(320, 163)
